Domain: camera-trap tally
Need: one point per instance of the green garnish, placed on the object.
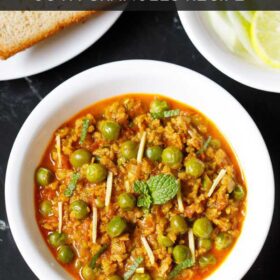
(132, 268)
(157, 190)
(141, 187)
(179, 267)
(94, 259)
(84, 130)
(145, 199)
(206, 183)
(163, 188)
(72, 185)
(166, 114)
(204, 146)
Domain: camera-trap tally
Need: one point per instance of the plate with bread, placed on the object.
(32, 42)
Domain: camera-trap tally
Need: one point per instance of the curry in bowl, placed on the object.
(139, 187)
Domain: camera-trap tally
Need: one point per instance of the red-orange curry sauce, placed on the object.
(147, 187)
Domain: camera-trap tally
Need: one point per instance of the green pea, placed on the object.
(57, 239)
(88, 273)
(165, 241)
(181, 253)
(129, 149)
(110, 130)
(178, 224)
(154, 153)
(141, 276)
(116, 226)
(44, 176)
(194, 167)
(79, 209)
(215, 143)
(205, 244)
(196, 119)
(206, 183)
(65, 254)
(96, 173)
(126, 201)
(46, 208)
(206, 260)
(121, 161)
(172, 156)
(202, 228)
(238, 192)
(99, 202)
(158, 106)
(223, 241)
(80, 157)
(114, 277)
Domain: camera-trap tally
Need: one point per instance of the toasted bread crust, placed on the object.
(80, 17)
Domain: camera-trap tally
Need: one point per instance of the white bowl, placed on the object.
(58, 49)
(213, 49)
(133, 77)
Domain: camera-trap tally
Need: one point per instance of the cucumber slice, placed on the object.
(247, 15)
(223, 28)
(242, 29)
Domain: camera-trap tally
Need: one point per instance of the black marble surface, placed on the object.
(145, 35)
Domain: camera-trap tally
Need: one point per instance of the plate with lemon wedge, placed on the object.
(245, 45)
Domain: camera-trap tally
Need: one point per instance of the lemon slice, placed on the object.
(265, 37)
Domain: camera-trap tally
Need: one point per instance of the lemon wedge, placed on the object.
(265, 37)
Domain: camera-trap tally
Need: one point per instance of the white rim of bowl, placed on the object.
(16, 224)
(208, 47)
(108, 18)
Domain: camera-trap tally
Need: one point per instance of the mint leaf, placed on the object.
(171, 113)
(163, 188)
(133, 268)
(94, 259)
(157, 190)
(72, 185)
(179, 267)
(140, 187)
(84, 130)
(157, 115)
(166, 114)
(144, 200)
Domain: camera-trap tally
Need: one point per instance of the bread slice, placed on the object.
(22, 29)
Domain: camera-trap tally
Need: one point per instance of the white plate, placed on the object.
(214, 50)
(138, 76)
(59, 48)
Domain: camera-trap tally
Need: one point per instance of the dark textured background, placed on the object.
(145, 35)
